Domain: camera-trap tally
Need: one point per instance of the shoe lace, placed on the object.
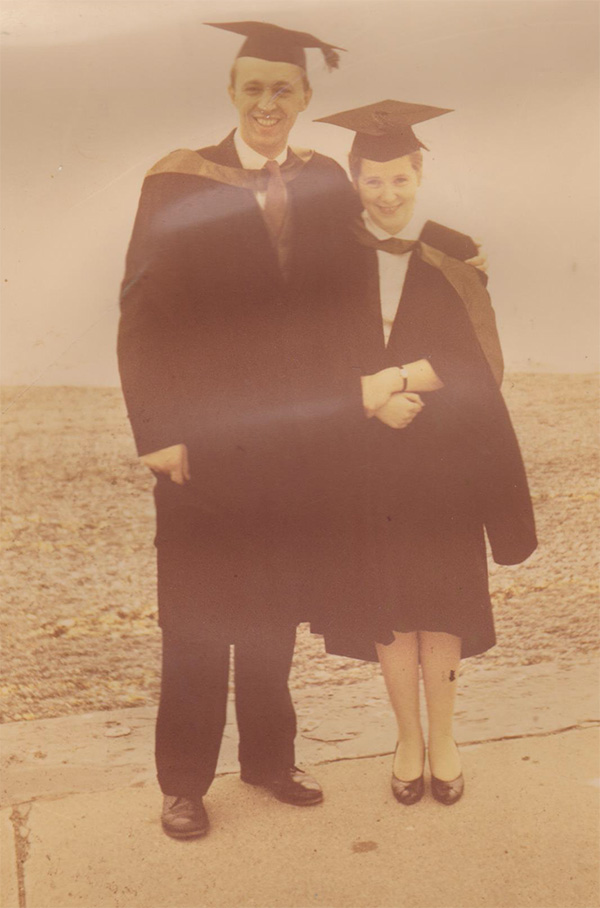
(181, 802)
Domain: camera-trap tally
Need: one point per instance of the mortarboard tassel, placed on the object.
(332, 58)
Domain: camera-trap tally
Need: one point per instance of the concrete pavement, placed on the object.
(86, 832)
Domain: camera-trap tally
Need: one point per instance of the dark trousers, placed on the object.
(193, 702)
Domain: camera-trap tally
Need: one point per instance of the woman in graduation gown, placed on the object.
(440, 460)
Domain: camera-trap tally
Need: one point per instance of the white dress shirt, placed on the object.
(252, 160)
(392, 273)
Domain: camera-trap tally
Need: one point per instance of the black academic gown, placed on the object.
(433, 488)
(219, 351)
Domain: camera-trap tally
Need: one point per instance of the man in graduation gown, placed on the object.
(227, 358)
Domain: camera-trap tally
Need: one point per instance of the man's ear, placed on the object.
(231, 92)
(307, 98)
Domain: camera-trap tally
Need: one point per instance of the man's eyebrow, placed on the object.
(276, 87)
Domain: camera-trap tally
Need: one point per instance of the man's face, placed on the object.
(388, 191)
(268, 96)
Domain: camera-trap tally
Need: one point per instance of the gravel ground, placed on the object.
(79, 617)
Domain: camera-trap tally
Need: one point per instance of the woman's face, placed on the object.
(388, 191)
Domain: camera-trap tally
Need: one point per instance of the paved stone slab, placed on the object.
(9, 885)
(524, 836)
(78, 753)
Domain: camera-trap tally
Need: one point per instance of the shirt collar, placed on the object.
(251, 159)
(407, 233)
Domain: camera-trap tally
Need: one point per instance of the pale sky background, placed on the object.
(95, 92)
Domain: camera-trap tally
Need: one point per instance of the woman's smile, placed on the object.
(389, 209)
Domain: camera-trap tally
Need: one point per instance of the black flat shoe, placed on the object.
(292, 786)
(448, 793)
(408, 793)
(184, 818)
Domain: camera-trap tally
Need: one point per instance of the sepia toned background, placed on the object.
(94, 91)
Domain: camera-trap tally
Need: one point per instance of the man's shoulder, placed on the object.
(328, 178)
(181, 174)
(189, 161)
(326, 164)
(181, 161)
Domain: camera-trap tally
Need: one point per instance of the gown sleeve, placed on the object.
(474, 406)
(149, 336)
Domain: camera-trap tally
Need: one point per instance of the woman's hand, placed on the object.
(379, 387)
(400, 410)
(173, 461)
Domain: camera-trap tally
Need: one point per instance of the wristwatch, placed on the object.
(404, 374)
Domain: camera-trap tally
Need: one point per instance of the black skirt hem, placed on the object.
(362, 648)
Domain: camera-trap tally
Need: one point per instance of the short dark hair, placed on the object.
(233, 71)
(355, 163)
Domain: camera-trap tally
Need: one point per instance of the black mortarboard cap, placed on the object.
(279, 45)
(384, 130)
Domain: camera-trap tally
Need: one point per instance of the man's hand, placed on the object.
(422, 377)
(379, 387)
(480, 261)
(400, 410)
(173, 461)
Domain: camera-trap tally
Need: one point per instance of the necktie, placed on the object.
(393, 245)
(275, 201)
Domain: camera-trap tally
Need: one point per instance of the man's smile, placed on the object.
(266, 122)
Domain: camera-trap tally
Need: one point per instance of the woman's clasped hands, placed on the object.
(384, 397)
(400, 410)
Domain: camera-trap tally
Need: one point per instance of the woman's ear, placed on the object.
(355, 167)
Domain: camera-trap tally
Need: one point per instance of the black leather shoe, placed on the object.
(292, 786)
(448, 793)
(408, 793)
(184, 818)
